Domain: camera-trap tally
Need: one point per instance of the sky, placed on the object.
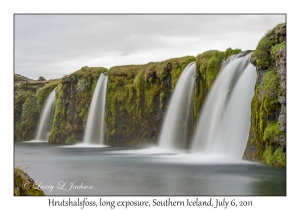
(56, 45)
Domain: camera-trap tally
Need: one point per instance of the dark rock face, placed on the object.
(73, 97)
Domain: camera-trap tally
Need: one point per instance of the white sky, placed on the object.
(56, 45)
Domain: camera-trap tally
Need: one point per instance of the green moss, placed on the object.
(271, 132)
(70, 140)
(265, 107)
(230, 52)
(275, 49)
(73, 97)
(279, 158)
(208, 65)
(135, 94)
(268, 44)
(24, 186)
(43, 92)
(26, 124)
(268, 155)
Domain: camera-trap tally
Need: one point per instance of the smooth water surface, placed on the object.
(133, 171)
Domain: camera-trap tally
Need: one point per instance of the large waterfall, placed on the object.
(175, 122)
(47, 117)
(96, 125)
(224, 122)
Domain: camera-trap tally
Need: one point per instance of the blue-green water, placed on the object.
(130, 171)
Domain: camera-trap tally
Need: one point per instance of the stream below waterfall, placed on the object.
(67, 170)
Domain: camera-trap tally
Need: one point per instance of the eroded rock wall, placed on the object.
(267, 136)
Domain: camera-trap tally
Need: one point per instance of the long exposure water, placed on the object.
(175, 123)
(46, 119)
(224, 121)
(95, 127)
(136, 171)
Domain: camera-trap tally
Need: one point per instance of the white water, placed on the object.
(47, 117)
(224, 122)
(175, 122)
(96, 126)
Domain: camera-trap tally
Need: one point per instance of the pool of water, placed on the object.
(63, 170)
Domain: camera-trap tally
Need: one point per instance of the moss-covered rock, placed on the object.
(73, 96)
(24, 185)
(271, 42)
(137, 98)
(267, 136)
(29, 96)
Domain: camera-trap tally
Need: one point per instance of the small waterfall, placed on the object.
(175, 122)
(47, 117)
(96, 126)
(224, 122)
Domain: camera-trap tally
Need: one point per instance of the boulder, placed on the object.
(24, 185)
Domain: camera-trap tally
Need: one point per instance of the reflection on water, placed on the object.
(131, 171)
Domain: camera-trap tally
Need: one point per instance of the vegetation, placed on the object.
(270, 42)
(265, 107)
(137, 96)
(43, 93)
(277, 158)
(24, 185)
(208, 66)
(230, 52)
(26, 106)
(272, 132)
(73, 97)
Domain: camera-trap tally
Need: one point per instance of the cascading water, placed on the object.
(47, 117)
(96, 126)
(224, 122)
(175, 123)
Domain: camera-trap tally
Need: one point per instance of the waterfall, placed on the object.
(175, 123)
(224, 122)
(47, 117)
(96, 126)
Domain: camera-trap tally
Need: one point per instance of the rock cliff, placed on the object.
(267, 136)
(29, 96)
(137, 99)
(73, 96)
(24, 185)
